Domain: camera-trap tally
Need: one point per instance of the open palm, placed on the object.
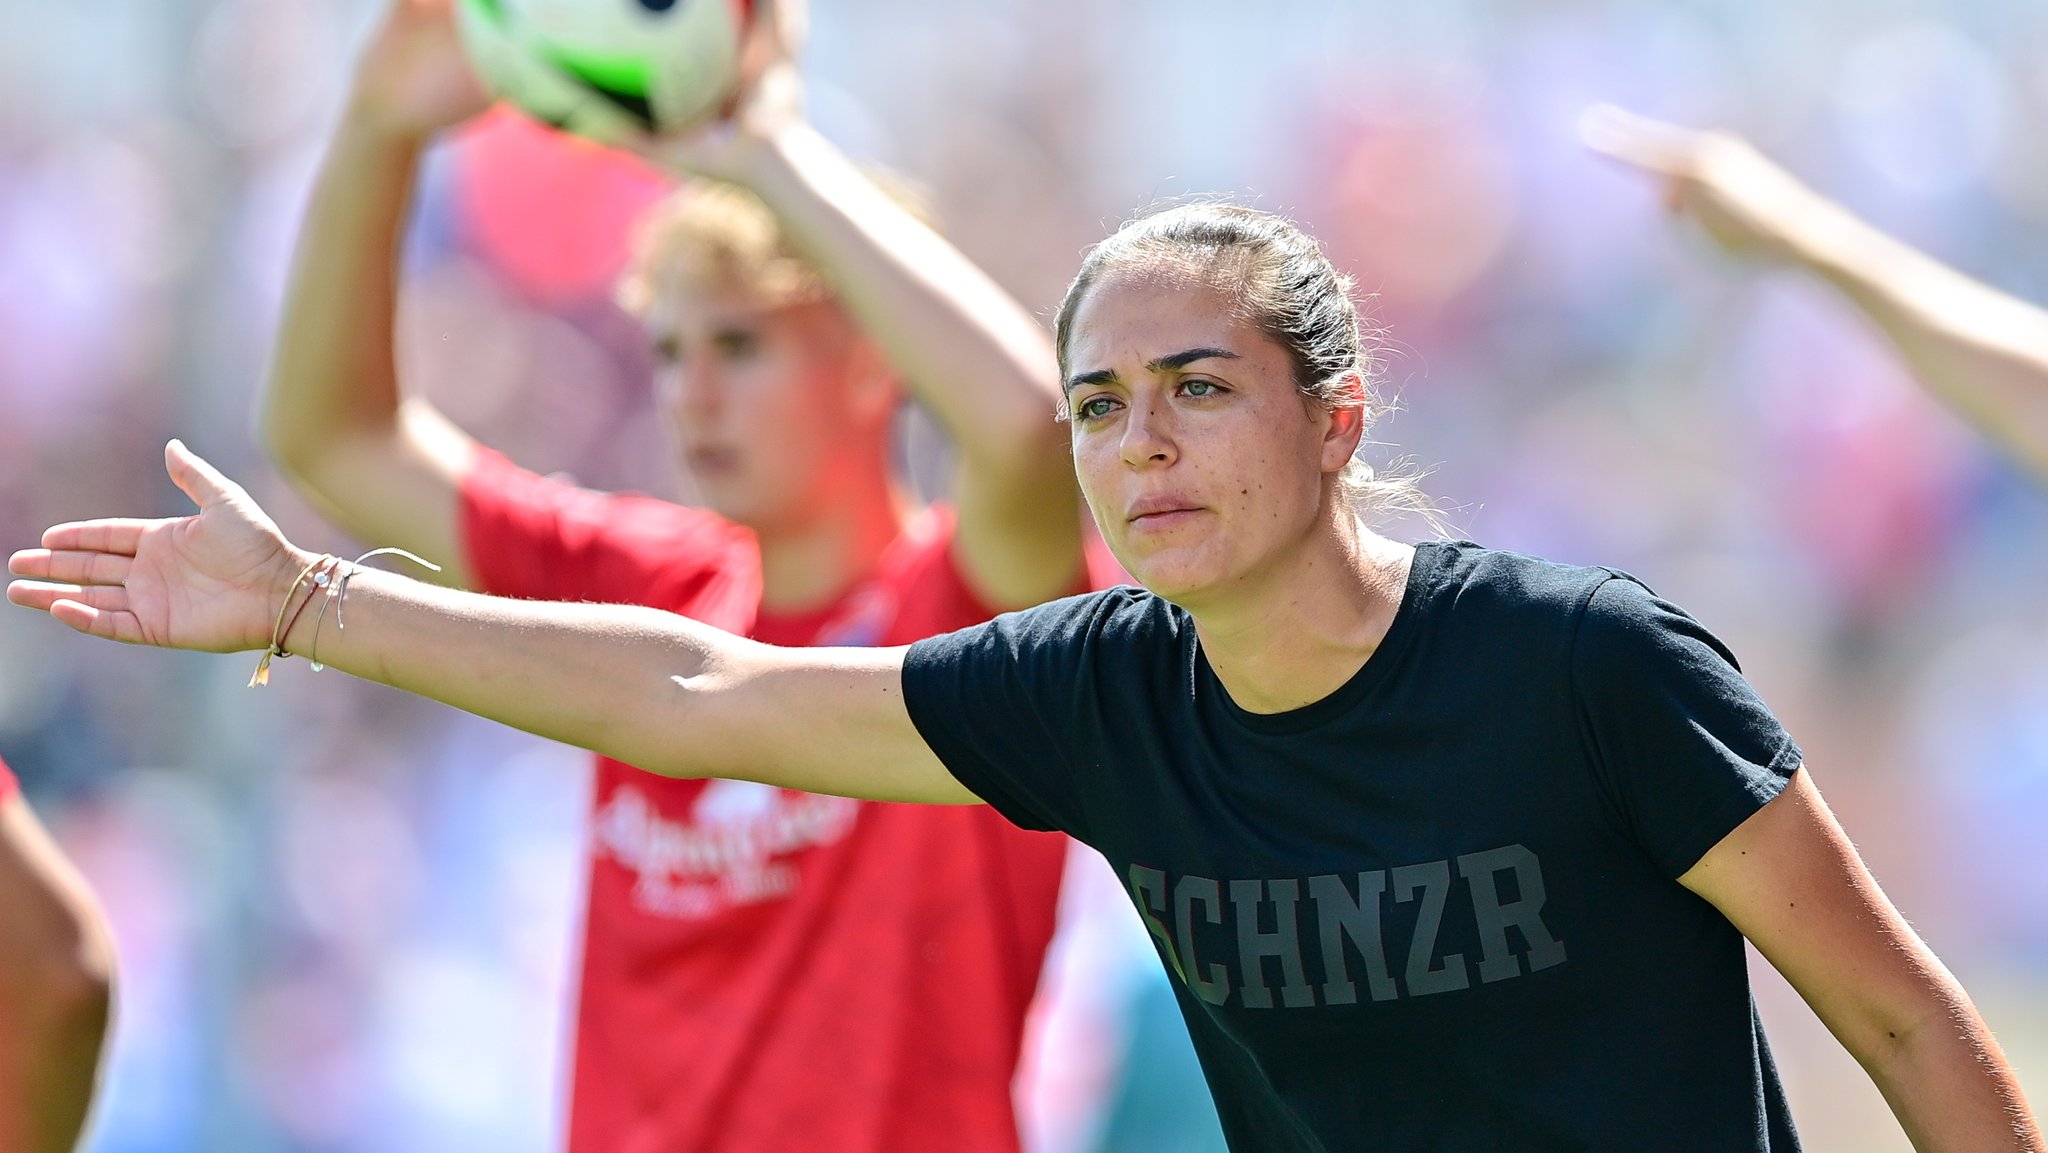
(211, 581)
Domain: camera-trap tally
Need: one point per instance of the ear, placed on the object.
(1344, 423)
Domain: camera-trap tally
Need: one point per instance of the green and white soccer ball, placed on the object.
(609, 69)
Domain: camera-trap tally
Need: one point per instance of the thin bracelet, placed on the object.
(320, 581)
(338, 593)
(262, 674)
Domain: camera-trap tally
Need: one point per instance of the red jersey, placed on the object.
(766, 970)
(8, 785)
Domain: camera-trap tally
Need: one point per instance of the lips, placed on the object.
(709, 461)
(1160, 510)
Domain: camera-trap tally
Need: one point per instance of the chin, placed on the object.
(737, 508)
(1176, 578)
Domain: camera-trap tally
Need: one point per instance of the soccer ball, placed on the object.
(609, 69)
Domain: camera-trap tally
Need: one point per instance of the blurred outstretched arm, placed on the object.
(56, 988)
(383, 466)
(646, 687)
(1981, 351)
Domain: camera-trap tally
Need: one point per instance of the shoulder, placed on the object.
(1121, 615)
(1594, 615)
(1511, 588)
(496, 488)
(542, 537)
(919, 564)
(1624, 622)
(1065, 631)
(1611, 624)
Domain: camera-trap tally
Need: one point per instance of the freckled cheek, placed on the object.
(1091, 471)
(1094, 454)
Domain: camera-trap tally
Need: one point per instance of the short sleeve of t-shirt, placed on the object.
(8, 785)
(1681, 742)
(999, 703)
(540, 538)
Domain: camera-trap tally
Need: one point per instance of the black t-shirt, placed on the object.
(1437, 909)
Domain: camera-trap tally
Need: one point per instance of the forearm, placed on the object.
(382, 466)
(659, 691)
(966, 349)
(614, 679)
(334, 372)
(1981, 350)
(1946, 1080)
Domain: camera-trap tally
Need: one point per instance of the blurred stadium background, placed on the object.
(343, 914)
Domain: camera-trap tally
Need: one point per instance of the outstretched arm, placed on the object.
(56, 988)
(967, 351)
(384, 467)
(1789, 879)
(1980, 350)
(642, 686)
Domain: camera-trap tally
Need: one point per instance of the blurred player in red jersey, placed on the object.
(1980, 351)
(56, 985)
(761, 968)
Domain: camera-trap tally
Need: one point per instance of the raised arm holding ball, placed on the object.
(760, 967)
(1445, 848)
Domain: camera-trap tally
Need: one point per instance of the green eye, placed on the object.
(1200, 388)
(1096, 407)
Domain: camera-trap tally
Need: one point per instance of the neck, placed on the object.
(814, 558)
(1297, 636)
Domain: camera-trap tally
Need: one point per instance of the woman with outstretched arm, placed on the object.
(1445, 847)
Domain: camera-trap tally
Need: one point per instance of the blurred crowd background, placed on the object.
(343, 915)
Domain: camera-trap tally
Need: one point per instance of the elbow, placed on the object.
(286, 437)
(283, 439)
(81, 978)
(81, 1003)
(1901, 1039)
(306, 441)
(685, 725)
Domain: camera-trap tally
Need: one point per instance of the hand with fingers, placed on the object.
(413, 78)
(1745, 202)
(211, 581)
(770, 100)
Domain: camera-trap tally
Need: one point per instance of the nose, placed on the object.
(1148, 435)
(695, 390)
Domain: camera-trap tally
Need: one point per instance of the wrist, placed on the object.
(284, 570)
(787, 153)
(1828, 240)
(738, 155)
(288, 583)
(782, 166)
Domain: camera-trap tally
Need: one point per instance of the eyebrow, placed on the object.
(1168, 363)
